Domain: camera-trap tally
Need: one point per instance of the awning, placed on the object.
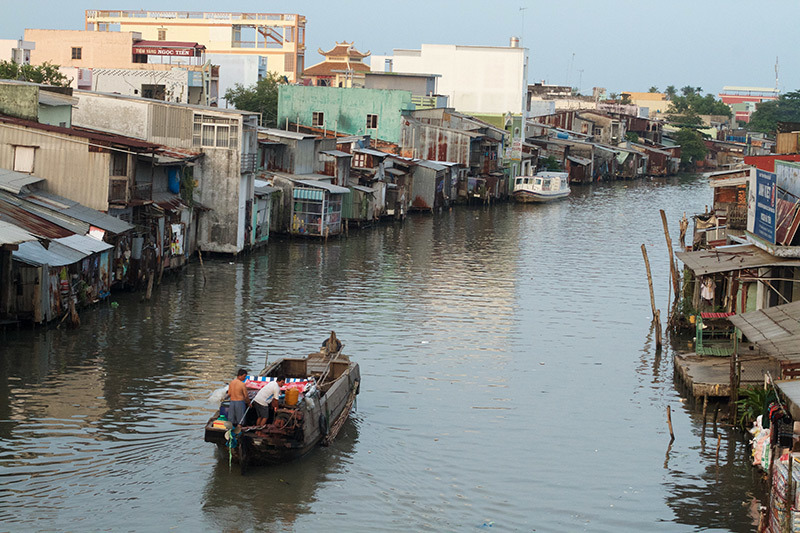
(728, 182)
(579, 160)
(775, 330)
(85, 244)
(13, 235)
(336, 153)
(14, 182)
(730, 258)
(55, 255)
(395, 171)
(263, 187)
(331, 188)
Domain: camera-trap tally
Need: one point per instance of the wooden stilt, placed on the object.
(202, 267)
(669, 422)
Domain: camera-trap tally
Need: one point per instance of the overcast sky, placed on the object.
(620, 45)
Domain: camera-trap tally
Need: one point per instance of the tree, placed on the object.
(46, 73)
(685, 109)
(653, 89)
(670, 92)
(613, 96)
(693, 149)
(632, 136)
(259, 98)
(626, 99)
(767, 114)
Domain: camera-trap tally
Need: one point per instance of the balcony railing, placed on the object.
(248, 163)
(142, 191)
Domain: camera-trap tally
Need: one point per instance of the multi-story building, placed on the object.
(245, 45)
(124, 63)
(343, 66)
(16, 50)
(487, 82)
(743, 100)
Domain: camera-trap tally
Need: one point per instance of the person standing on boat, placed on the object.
(266, 401)
(239, 399)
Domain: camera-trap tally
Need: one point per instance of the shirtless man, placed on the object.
(239, 398)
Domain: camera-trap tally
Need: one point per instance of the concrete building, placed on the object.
(424, 94)
(223, 178)
(124, 63)
(343, 66)
(245, 45)
(355, 111)
(484, 81)
(744, 100)
(16, 50)
(655, 103)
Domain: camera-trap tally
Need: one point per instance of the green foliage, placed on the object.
(625, 99)
(670, 92)
(46, 73)
(750, 404)
(259, 98)
(767, 114)
(632, 137)
(187, 185)
(653, 89)
(693, 103)
(550, 163)
(613, 96)
(693, 149)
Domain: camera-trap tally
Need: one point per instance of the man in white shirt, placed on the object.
(266, 401)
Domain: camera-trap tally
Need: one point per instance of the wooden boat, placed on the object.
(330, 382)
(542, 187)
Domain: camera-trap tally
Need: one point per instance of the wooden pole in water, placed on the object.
(672, 268)
(656, 312)
(202, 267)
(719, 440)
(669, 422)
(649, 280)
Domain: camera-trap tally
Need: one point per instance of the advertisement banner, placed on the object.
(764, 225)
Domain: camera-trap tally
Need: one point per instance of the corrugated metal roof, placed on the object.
(53, 217)
(579, 160)
(336, 153)
(361, 188)
(330, 187)
(776, 330)
(85, 244)
(79, 212)
(370, 151)
(395, 171)
(433, 165)
(295, 135)
(14, 214)
(169, 201)
(13, 234)
(12, 181)
(56, 254)
(263, 187)
(728, 258)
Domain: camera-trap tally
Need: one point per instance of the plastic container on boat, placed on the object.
(291, 396)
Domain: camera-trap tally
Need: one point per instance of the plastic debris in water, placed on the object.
(114, 305)
(487, 524)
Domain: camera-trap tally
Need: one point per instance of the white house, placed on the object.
(480, 80)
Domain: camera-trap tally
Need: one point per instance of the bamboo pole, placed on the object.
(669, 422)
(719, 441)
(649, 280)
(656, 312)
(672, 268)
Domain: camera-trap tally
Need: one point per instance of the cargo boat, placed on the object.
(542, 187)
(327, 382)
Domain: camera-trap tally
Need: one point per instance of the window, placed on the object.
(76, 52)
(23, 158)
(215, 132)
(162, 34)
(372, 121)
(318, 118)
(359, 160)
(119, 164)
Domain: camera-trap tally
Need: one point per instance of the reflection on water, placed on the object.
(510, 378)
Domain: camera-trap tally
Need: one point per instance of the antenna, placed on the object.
(522, 33)
(569, 70)
(776, 73)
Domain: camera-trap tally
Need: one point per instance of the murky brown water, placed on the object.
(509, 383)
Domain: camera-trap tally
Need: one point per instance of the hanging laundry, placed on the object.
(707, 291)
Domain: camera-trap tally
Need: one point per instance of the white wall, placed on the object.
(234, 69)
(478, 79)
(129, 82)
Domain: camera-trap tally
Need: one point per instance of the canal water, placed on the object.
(510, 383)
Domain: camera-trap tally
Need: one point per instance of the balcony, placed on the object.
(142, 191)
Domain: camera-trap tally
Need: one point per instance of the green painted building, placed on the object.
(348, 111)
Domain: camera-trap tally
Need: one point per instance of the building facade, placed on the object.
(246, 46)
(479, 80)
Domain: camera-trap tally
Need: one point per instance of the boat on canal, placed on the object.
(315, 401)
(544, 186)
